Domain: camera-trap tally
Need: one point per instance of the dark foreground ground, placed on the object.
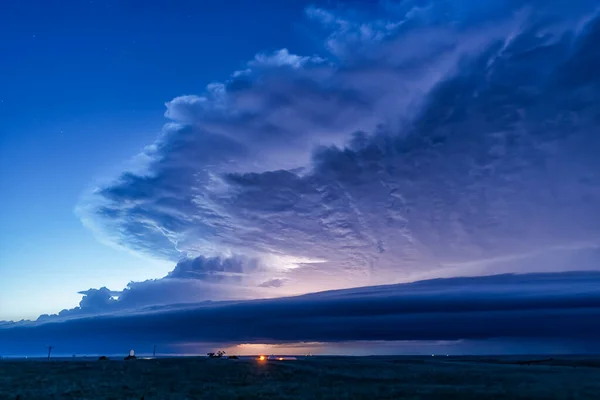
(312, 378)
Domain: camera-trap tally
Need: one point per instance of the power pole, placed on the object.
(50, 351)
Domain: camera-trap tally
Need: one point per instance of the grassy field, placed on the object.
(312, 378)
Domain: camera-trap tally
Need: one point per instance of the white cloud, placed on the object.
(281, 58)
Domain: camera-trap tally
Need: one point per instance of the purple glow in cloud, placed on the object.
(430, 140)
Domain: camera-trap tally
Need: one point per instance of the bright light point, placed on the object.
(285, 263)
(261, 358)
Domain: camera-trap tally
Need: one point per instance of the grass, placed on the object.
(313, 378)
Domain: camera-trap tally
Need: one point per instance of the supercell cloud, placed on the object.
(424, 139)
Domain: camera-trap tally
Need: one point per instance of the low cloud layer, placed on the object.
(558, 307)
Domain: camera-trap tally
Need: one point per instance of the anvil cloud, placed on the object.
(429, 139)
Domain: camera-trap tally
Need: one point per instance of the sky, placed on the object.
(82, 90)
(336, 177)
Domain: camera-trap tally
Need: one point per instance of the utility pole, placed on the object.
(50, 351)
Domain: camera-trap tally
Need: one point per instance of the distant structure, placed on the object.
(50, 351)
(154, 351)
(131, 355)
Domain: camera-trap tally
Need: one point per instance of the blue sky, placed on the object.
(83, 89)
(157, 155)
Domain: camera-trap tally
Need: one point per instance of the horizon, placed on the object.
(118, 357)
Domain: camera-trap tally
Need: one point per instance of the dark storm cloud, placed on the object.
(545, 306)
(94, 301)
(430, 137)
(192, 280)
(213, 269)
(273, 283)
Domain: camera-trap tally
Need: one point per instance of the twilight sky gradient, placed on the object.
(307, 147)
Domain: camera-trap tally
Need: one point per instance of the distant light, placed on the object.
(433, 355)
(280, 358)
(261, 358)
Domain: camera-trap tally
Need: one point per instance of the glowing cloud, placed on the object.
(431, 138)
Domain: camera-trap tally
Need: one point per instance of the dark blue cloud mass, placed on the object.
(425, 139)
(562, 307)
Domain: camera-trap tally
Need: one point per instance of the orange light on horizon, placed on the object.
(261, 358)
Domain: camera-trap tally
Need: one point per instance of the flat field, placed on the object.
(312, 378)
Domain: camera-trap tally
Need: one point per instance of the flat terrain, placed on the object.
(311, 378)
